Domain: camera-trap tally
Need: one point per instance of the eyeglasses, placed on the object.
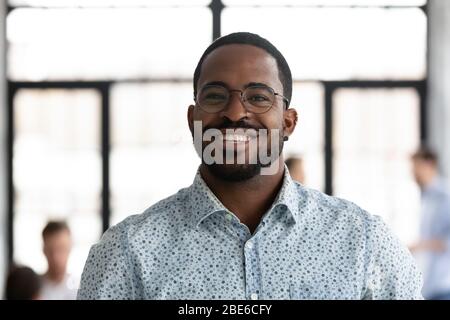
(256, 99)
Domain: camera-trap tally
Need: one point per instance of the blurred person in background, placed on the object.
(23, 283)
(56, 283)
(296, 169)
(433, 248)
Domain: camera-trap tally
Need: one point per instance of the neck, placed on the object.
(54, 276)
(428, 179)
(248, 199)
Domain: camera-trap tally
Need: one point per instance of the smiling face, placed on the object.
(236, 67)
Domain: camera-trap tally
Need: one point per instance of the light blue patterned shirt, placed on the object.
(307, 246)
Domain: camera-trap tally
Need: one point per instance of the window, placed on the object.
(307, 141)
(328, 3)
(375, 133)
(340, 43)
(152, 154)
(90, 44)
(57, 170)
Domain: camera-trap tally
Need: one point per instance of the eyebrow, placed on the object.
(223, 84)
(215, 83)
(255, 84)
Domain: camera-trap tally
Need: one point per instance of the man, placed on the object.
(245, 229)
(56, 283)
(296, 169)
(434, 245)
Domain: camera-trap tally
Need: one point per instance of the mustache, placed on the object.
(227, 124)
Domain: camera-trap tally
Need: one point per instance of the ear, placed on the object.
(290, 118)
(190, 118)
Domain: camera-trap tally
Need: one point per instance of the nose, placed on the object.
(235, 109)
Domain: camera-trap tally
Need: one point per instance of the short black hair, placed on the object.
(53, 227)
(22, 283)
(427, 154)
(284, 72)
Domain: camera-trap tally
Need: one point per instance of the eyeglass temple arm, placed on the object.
(284, 99)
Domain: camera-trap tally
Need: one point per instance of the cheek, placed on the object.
(274, 126)
(271, 120)
(206, 118)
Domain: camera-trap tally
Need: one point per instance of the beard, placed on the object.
(234, 172)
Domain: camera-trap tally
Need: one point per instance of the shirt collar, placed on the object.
(289, 196)
(205, 203)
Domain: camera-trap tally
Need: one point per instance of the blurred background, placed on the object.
(94, 93)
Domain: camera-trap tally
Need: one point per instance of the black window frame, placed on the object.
(104, 88)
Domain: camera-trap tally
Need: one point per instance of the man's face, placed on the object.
(57, 249)
(423, 171)
(236, 67)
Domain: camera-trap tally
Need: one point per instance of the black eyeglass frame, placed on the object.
(285, 100)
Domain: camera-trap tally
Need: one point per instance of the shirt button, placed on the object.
(254, 296)
(229, 217)
(249, 245)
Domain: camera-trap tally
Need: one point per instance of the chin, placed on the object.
(234, 172)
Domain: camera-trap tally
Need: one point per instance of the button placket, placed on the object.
(252, 269)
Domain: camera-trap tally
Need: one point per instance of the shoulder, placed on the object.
(334, 210)
(347, 223)
(108, 271)
(168, 213)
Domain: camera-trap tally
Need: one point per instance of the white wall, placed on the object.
(3, 224)
(439, 81)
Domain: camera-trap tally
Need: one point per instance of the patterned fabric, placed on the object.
(307, 246)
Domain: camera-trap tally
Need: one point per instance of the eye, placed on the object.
(258, 98)
(213, 99)
(214, 96)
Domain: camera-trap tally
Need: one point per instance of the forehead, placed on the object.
(62, 233)
(238, 65)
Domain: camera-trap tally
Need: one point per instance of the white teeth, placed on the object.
(239, 135)
(236, 137)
